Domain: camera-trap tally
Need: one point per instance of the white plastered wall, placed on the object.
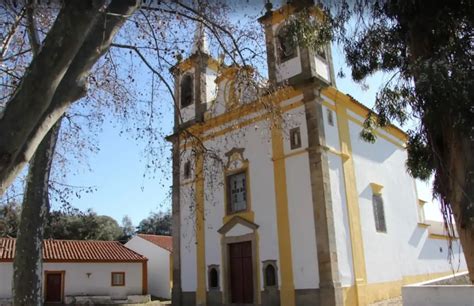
(6, 277)
(188, 237)
(338, 198)
(158, 265)
(405, 249)
(255, 139)
(78, 281)
(300, 205)
(211, 86)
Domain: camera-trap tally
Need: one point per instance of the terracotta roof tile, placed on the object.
(165, 242)
(76, 251)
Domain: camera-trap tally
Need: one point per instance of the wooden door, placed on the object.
(241, 272)
(53, 287)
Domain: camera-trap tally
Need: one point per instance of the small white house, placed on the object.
(75, 270)
(158, 249)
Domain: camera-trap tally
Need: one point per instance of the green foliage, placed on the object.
(420, 161)
(156, 223)
(308, 30)
(9, 219)
(78, 225)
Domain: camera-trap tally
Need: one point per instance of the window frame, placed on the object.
(122, 284)
(295, 131)
(228, 175)
(330, 117)
(379, 213)
(211, 268)
(187, 170)
(265, 265)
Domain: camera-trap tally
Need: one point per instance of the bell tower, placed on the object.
(287, 61)
(194, 82)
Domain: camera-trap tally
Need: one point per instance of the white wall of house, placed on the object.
(78, 281)
(6, 276)
(158, 265)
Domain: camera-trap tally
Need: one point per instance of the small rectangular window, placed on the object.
(187, 169)
(295, 138)
(118, 278)
(237, 192)
(379, 214)
(330, 117)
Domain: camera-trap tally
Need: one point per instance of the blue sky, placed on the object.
(117, 170)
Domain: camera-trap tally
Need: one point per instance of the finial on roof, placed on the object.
(200, 40)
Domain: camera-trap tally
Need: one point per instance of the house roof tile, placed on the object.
(76, 251)
(165, 242)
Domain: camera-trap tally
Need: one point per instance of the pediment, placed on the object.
(237, 226)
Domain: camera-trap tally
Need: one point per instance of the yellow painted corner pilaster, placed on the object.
(353, 213)
(287, 288)
(200, 235)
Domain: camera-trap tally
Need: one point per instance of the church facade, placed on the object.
(277, 200)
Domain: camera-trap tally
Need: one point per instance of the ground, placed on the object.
(391, 302)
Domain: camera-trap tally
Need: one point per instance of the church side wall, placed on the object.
(405, 249)
(406, 252)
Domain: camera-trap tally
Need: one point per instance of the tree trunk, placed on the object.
(458, 184)
(452, 148)
(27, 267)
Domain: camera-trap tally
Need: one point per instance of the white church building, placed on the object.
(276, 198)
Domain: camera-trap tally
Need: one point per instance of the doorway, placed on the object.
(54, 286)
(241, 272)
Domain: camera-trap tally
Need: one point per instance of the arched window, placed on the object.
(270, 274)
(186, 90)
(286, 44)
(213, 275)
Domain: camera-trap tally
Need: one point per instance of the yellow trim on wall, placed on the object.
(352, 199)
(376, 188)
(287, 287)
(286, 11)
(238, 125)
(192, 62)
(386, 290)
(275, 98)
(247, 215)
(361, 110)
(200, 232)
(438, 236)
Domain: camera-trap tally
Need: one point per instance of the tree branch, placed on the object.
(31, 28)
